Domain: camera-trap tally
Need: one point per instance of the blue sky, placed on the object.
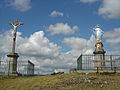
(67, 24)
(84, 15)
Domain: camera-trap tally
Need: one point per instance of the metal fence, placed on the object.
(23, 68)
(3, 67)
(86, 62)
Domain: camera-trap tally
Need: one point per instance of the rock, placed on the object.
(86, 73)
(105, 82)
(89, 81)
(101, 85)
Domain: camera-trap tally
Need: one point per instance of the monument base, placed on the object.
(12, 63)
(99, 52)
(99, 55)
(11, 54)
(13, 75)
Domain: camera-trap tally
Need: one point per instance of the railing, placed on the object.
(87, 62)
(23, 68)
(3, 67)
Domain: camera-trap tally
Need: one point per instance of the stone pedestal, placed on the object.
(99, 54)
(12, 64)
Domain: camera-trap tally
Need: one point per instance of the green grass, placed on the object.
(74, 81)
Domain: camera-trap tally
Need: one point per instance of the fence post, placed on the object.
(79, 63)
(97, 69)
(0, 62)
(111, 62)
(8, 67)
(115, 69)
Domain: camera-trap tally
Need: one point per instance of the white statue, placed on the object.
(14, 30)
(15, 25)
(98, 33)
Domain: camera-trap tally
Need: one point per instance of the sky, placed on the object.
(56, 32)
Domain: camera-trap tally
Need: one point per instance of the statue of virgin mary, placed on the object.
(98, 33)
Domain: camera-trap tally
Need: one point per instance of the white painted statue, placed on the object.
(98, 33)
(14, 30)
(15, 25)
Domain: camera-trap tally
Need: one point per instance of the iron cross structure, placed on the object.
(15, 25)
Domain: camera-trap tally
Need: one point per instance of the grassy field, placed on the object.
(74, 81)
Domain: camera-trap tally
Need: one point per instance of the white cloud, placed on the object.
(38, 44)
(110, 9)
(81, 44)
(5, 46)
(113, 36)
(76, 42)
(88, 1)
(56, 13)
(34, 45)
(22, 5)
(115, 52)
(61, 28)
